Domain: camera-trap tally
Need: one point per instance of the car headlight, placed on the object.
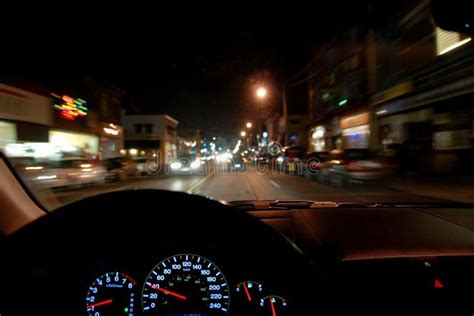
(195, 164)
(176, 165)
(47, 177)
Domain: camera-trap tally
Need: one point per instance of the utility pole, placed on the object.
(285, 111)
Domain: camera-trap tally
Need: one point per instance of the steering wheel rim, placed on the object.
(201, 221)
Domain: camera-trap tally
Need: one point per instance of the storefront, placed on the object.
(7, 133)
(435, 127)
(398, 128)
(24, 117)
(74, 143)
(111, 141)
(318, 141)
(355, 131)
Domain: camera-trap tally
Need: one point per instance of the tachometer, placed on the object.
(111, 294)
(186, 284)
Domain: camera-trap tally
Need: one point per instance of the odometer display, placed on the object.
(185, 284)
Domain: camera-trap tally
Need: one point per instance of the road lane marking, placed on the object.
(195, 185)
(276, 185)
(246, 178)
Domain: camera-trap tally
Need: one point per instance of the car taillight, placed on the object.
(353, 166)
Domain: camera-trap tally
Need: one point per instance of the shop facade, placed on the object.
(435, 127)
(25, 119)
(355, 131)
(151, 136)
(55, 127)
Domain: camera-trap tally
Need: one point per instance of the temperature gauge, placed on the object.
(274, 305)
(250, 291)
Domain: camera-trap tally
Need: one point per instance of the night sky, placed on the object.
(198, 66)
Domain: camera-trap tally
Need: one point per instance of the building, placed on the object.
(151, 135)
(97, 130)
(286, 125)
(400, 83)
(25, 117)
(78, 117)
(338, 93)
(296, 129)
(425, 91)
(189, 142)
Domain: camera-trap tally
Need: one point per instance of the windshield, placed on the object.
(373, 104)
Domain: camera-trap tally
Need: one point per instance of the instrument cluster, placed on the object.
(181, 285)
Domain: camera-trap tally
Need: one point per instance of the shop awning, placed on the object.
(448, 91)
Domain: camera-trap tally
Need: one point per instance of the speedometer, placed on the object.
(185, 284)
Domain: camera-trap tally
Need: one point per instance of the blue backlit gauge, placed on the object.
(111, 294)
(186, 284)
(274, 305)
(248, 295)
(250, 291)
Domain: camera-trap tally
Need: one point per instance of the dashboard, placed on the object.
(128, 254)
(195, 258)
(181, 284)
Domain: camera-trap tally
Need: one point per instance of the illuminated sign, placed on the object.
(70, 108)
(446, 41)
(394, 92)
(112, 129)
(342, 102)
(356, 120)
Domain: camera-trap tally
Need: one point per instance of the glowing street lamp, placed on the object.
(243, 133)
(261, 92)
(249, 125)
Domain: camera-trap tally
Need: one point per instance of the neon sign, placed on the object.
(70, 108)
(111, 130)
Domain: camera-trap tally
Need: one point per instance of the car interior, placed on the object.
(131, 251)
(257, 258)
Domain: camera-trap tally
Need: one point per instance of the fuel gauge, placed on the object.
(274, 305)
(250, 291)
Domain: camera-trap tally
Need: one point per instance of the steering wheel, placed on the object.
(47, 263)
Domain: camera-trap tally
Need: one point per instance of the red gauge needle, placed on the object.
(99, 303)
(273, 308)
(181, 297)
(247, 292)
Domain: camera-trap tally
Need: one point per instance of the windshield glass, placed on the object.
(373, 104)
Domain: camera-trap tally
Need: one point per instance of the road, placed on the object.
(250, 185)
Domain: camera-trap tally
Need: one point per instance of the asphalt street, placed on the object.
(251, 185)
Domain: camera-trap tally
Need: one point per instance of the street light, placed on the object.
(243, 133)
(249, 125)
(261, 92)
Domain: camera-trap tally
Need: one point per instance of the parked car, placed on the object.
(290, 160)
(62, 173)
(141, 165)
(121, 168)
(311, 163)
(263, 159)
(344, 167)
